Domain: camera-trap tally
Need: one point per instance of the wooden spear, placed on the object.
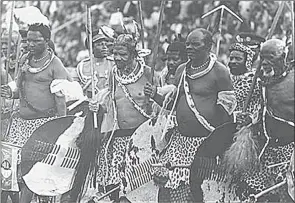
(157, 39)
(139, 6)
(19, 39)
(293, 27)
(276, 19)
(89, 31)
(9, 40)
(0, 78)
(1, 3)
(222, 8)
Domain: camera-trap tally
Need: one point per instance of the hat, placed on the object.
(249, 39)
(102, 32)
(245, 49)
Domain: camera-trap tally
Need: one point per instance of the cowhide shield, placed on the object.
(50, 156)
(148, 136)
(290, 177)
(205, 167)
(144, 146)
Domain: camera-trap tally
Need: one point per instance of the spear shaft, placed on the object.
(157, 38)
(141, 23)
(276, 19)
(1, 4)
(89, 31)
(9, 40)
(293, 27)
(0, 77)
(222, 8)
(219, 30)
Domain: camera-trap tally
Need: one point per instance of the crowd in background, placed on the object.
(68, 22)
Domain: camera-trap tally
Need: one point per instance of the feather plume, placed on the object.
(31, 15)
(243, 153)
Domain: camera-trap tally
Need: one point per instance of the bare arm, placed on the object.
(60, 102)
(60, 72)
(226, 99)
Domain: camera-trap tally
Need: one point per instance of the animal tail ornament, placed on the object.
(89, 144)
(243, 154)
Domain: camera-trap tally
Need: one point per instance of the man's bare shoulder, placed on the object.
(57, 61)
(179, 72)
(220, 69)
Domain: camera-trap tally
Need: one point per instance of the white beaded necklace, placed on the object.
(46, 64)
(40, 59)
(201, 66)
(211, 61)
(129, 97)
(132, 77)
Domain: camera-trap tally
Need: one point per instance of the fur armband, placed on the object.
(64, 88)
(227, 100)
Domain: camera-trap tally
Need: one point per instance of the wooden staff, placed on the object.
(9, 40)
(276, 19)
(293, 27)
(1, 3)
(0, 77)
(19, 39)
(156, 47)
(141, 22)
(222, 8)
(89, 33)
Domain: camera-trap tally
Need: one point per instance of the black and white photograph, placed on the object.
(150, 101)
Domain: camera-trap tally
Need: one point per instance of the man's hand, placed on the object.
(243, 119)
(150, 90)
(6, 91)
(93, 106)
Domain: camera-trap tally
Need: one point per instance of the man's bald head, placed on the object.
(273, 55)
(198, 44)
(275, 47)
(204, 34)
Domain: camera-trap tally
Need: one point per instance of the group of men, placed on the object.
(205, 94)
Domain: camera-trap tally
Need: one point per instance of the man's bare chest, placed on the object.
(42, 77)
(135, 90)
(199, 86)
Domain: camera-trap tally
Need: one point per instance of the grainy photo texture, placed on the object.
(147, 101)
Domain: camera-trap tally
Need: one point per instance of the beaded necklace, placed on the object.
(45, 65)
(129, 97)
(27, 67)
(40, 59)
(132, 77)
(211, 61)
(201, 66)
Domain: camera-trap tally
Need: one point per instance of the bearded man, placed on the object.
(202, 84)
(35, 81)
(277, 78)
(277, 119)
(129, 107)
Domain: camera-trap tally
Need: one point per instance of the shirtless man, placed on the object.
(129, 108)
(203, 84)
(38, 104)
